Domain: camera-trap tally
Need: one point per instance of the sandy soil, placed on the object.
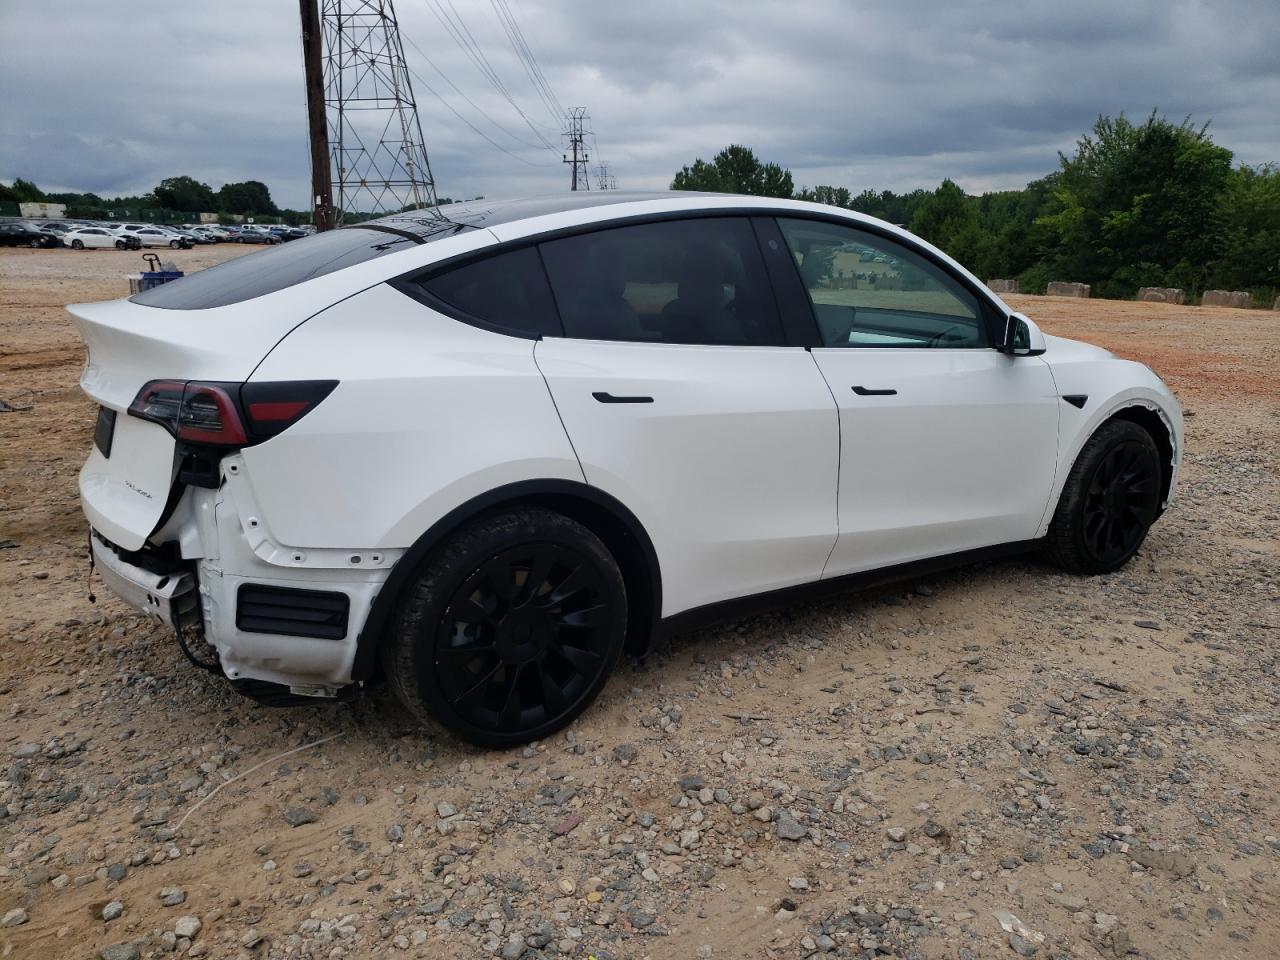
(887, 774)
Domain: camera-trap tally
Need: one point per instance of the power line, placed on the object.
(521, 45)
(478, 131)
(462, 37)
(475, 106)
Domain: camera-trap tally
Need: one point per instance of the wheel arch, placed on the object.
(602, 514)
(1152, 420)
(1145, 408)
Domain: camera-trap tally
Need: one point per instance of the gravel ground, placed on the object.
(1001, 761)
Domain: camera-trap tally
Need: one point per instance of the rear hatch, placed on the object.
(125, 484)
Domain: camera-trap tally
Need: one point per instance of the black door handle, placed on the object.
(605, 397)
(867, 392)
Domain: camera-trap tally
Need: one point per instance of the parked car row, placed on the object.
(88, 235)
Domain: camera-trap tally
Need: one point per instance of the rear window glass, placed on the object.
(507, 290)
(257, 274)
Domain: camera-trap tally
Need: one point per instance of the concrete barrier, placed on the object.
(1226, 298)
(1059, 288)
(1162, 295)
(1002, 286)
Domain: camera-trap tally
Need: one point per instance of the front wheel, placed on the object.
(36, 244)
(1110, 500)
(120, 244)
(510, 630)
(174, 244)
(77, 244)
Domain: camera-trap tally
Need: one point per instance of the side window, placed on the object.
(868, 291)
(507, 290)
(676, 281)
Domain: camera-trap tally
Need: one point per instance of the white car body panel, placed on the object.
(961, 457)
(423, 403)
(734, 472)
(1112, 385)
(732, 468)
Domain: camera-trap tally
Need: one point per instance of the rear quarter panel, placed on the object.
(429, 413)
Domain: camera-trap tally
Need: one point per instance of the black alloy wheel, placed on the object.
(36, 243)
(1110, 499)
(523, 638)
(512, 630)
(1121, 501)
(77, 244)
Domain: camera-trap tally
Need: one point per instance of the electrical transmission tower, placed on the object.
(363, 116)
(576, 133)
(604, 179)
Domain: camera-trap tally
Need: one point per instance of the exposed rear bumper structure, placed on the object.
(169, 597)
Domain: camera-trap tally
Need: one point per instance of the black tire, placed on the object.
(175, 244)
(37, 244)
(1110, 500)
(120, 244)
(495, 660)
(77, 244)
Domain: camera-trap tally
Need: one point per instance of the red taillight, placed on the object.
(227, 414)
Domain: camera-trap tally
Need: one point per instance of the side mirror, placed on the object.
(1022, 338)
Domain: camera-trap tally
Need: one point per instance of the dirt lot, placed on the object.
(1091, 762)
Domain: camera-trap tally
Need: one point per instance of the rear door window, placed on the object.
(275, 268)
(695, 281)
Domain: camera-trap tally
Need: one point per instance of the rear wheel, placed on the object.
(1110, 500)
(510, 630)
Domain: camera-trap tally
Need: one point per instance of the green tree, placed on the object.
(735, 169)
(251, 196)
(832, 196)
(1249, 224)
(948, 218)
(24, 191)
(185, 193)
(1138, 204)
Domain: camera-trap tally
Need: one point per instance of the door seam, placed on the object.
(556, 407)
(839, 459)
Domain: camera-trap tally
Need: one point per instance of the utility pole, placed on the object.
(604, 179)
(576, 133)
(375, 153)
(322, 212)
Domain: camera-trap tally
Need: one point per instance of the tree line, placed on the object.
(180, 194)
(183, 193)
(1138, 204)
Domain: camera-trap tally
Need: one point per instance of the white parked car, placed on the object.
(150, 236)
(97, 237)
(485, 450)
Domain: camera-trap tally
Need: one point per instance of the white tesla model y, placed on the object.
(487, 448)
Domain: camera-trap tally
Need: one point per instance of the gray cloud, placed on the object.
(114, 97)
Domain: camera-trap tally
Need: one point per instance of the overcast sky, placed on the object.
(113, 97)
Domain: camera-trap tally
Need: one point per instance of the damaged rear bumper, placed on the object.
(275, 613)
(167, 596)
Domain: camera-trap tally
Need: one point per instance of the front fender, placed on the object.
(1110, 386)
